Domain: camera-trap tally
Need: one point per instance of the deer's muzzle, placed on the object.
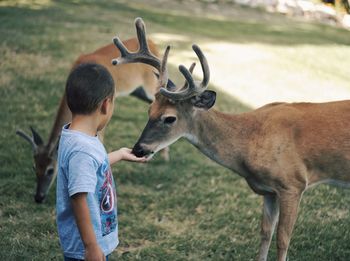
(140, 151)
(39, 198)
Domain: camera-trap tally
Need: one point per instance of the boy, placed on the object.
(86, 199)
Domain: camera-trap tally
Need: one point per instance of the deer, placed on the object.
(280, 149)
(138, 80)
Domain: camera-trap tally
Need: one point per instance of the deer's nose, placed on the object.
(39, 198)
(138, 150)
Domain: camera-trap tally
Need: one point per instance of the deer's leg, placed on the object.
(289, 203)
(165, 153)
(268, 224)
(141, 94)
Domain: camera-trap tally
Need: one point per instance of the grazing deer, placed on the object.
(281, 149)
(136, 79)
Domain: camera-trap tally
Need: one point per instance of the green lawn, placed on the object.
(188, 209)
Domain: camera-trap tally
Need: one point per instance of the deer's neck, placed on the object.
(63, 116)
(220, 136)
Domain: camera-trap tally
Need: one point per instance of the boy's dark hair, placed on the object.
(87, 85)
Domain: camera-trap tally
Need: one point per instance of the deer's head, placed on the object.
(45, 163)
(173, 110)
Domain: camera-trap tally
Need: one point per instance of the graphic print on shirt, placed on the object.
(107, 199)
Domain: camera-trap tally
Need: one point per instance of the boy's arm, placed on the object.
(123, 154)
(87, 234)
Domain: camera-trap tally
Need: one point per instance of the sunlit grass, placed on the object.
(31, 4)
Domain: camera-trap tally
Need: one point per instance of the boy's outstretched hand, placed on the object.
(129, 156)
(124, 154)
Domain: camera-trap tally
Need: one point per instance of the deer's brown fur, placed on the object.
(281, 149)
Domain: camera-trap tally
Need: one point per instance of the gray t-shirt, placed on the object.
(83, 166)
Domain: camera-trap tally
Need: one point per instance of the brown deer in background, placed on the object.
(136, 79)
(281, 149)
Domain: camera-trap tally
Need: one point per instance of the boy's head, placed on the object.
(88, 85)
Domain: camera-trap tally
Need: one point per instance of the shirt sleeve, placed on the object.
(82, 177)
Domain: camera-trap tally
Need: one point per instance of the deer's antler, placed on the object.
(191, 88)
(143, 55)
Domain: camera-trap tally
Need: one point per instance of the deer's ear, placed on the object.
(205, 100)
(170, 85)
(36, 137)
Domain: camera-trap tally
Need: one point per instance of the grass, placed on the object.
(188, 209)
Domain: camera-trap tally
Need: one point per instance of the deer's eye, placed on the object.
(169, 120)
(50, 172)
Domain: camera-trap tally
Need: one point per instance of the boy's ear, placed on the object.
(104, 106)
(205, 100)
